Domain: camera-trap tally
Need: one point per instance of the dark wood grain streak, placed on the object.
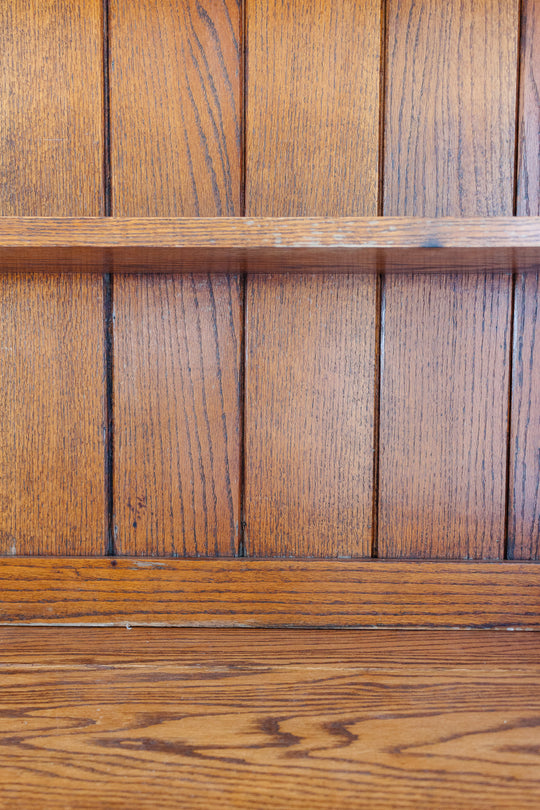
(175, 151)
(312, 121)
(449, 151)
(252, 725)
(524, 496)
(51, 353)
(270, 593)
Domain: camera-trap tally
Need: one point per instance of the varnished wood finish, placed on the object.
(270, 593)
(312, 107)
(528, 179)
(449, 151)
(311, 149)
(177, 470)
(175, 150)
(444, 418)
(51, 401)
(51, 353)
(371, 650)
(524, 502)
(175, 107)
(236, 719)
(317, 244)
(449, 130)
(524, 505)
(309, 416)
(51, 127)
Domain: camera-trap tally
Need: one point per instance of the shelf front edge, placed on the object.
(236, 245)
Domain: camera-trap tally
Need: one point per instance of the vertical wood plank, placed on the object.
(528, 179)
(51, 354)
(175, 151)
(449, 150)
(312, 124)
(524, 503)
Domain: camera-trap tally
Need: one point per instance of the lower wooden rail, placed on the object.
(269, 593)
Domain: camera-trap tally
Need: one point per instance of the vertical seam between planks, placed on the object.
(242, 544)
(379, 288)
(108, 301)
(382, 106)
(243, 91)
(508, 550)
(377, 414)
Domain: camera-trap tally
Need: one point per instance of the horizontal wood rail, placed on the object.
(269, 593)
(234, 244)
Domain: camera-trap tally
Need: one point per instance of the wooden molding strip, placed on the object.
(269, 593)
(234, 244)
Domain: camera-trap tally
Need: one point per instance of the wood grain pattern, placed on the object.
(243, 728)
(177, 470)
(309, 416)
(370, 650)
(524, 500)
(270, 593)
(175, 150)
(449, 151)
(175, 120)
(51, 400)
(444, 417)
(311, 149)
(51, 124)
(528, 179)
(272, 244)
(451, 83)
(51, 355)
(312, 107)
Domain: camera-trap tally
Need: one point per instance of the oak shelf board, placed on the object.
(270, 244)
(105, 718)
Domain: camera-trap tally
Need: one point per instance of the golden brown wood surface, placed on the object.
(528, 179)
(444, 417)
(389, 234)
(524, 496)
(270, 593)
(311, 149)
(449, 151)
(309, 416)
(176, 482)
(66, 647)
(51, 127)
(240, 719)
(312, 107)
(51, 354)
(524, 501)
(175, 150)
(51, 401)
(263, 244)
